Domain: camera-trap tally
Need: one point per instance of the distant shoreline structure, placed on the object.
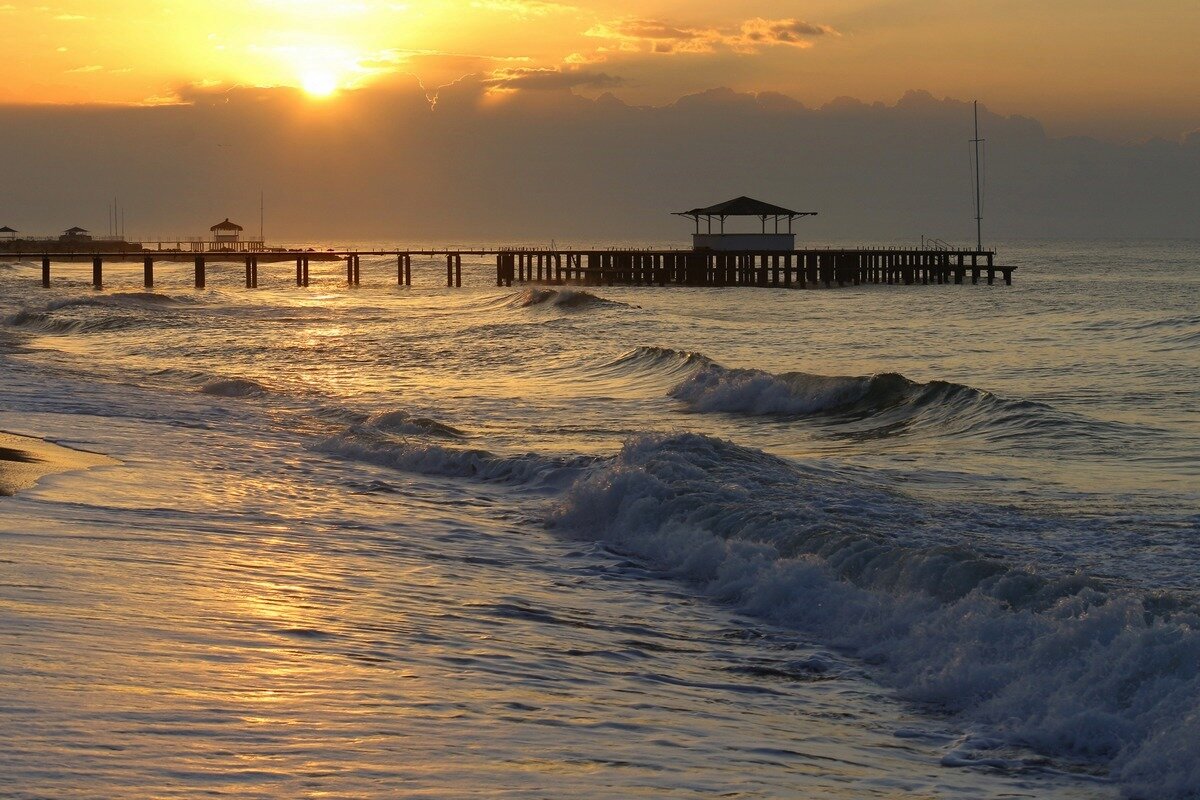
(226, 239)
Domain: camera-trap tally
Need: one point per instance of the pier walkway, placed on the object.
(782, 269)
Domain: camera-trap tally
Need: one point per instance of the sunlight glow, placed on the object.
(319, 83)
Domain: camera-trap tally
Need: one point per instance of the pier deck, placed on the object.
(799, 269)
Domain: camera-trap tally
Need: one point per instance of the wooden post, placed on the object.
(200, 272)
(148, 272)
(349, 270)
(306, 271)
(400, 269)
(357, 269)
(408, 269)
(45, 272)
(97, 272)
(249, 272)
(991, 270)
(449, 270)
(458, 270)
(254, 272)
(299, 271)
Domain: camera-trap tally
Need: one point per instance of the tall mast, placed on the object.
(261, 213)
(978, 180)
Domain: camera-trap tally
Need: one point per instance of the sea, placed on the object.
(611, 542)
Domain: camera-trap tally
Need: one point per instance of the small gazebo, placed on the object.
(744, 207)
(226, 231)
(75, 234)
(8, 233)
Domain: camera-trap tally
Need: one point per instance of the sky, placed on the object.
(510, 121)
(1118, 71)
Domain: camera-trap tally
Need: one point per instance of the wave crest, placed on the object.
(562, 298)
(233, 387)
(71, 315)
(403, 422)
(755, 392)
(1063, 664)
(429, 458)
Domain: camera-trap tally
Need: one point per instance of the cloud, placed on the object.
(660, 36)
(791, 32)
(599, 168)
(87, 68)
(548, 78)
(523, 8)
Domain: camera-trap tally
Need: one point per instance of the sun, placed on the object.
(319, 83)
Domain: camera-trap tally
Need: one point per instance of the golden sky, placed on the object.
(1110, 69)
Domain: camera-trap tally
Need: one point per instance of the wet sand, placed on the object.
(25, 460)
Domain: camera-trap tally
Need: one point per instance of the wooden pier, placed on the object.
(796, 269)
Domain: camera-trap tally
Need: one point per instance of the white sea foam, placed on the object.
(1059, 664)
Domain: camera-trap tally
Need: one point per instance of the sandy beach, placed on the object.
(25, 460)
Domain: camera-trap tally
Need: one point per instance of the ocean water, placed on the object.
(932, 541)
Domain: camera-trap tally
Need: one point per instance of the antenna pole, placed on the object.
(261, 213)
(978, 191)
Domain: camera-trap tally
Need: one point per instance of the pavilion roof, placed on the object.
(744, 207)
(76, 229)
(7, 229)
(226, 226)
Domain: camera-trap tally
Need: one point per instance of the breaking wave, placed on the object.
(403, 422)
(658, 361)
(1062, 664)
(117, 311)
(431, 458)
(562, 298)
(889, 403)
(233, 387)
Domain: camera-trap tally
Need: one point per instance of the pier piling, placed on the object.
(148, 272)
(45, 272)
(97, 272)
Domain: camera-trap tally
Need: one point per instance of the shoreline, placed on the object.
(25, 460)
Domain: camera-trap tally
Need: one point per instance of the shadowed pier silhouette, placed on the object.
(794, 269)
